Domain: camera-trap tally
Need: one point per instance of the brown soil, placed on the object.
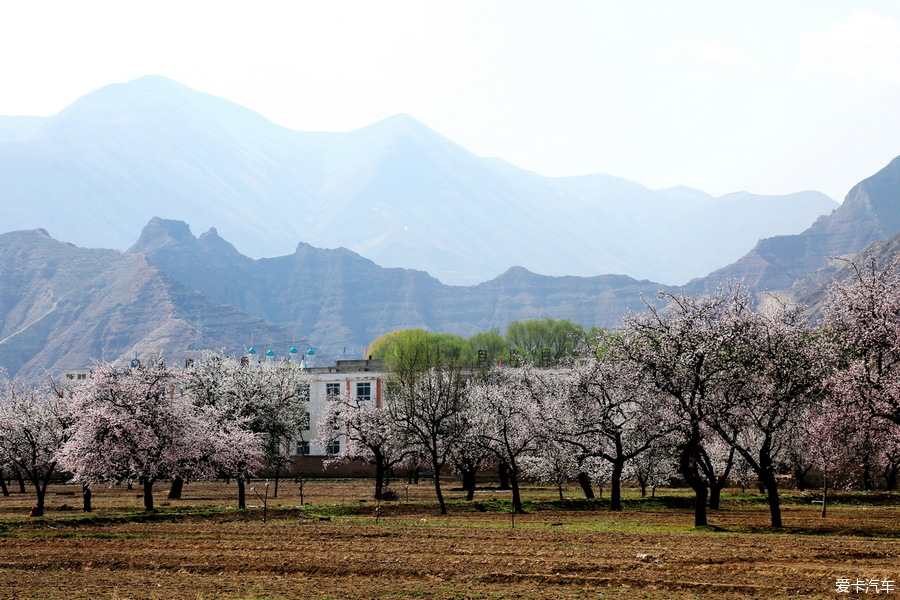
(412, 552)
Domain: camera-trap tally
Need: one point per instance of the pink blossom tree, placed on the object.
(32, 430)
(862, 316)
(128, 423)
(683, 351)
(603, 411)
(779, 370)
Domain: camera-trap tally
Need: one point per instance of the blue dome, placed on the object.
(310, 352)
(269, 352)
(293, 349)
(252, 350)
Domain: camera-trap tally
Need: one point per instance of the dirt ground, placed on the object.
(321, 551)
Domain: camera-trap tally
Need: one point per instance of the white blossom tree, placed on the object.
(425, 397)
(267, 400)
(371, 435)
(604, 411)
(506, 411)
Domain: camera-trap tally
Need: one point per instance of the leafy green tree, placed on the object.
(425, 347)
(545, 342)
(492, 344)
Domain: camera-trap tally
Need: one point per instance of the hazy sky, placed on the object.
(769, 96)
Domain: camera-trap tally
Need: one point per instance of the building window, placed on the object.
(304, 421)
(304, 392)
(334, 447)
(364, 392)
(303, 448)
(332, 390)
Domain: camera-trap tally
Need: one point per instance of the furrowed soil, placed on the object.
(339, 546)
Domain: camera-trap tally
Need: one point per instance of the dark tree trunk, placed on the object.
(890, 476)
(503, 474)
(437, 485)
(643, 483)
(516, 494)
(86, 496)
(584, 480)
(176, 489)
(379, 477)
(615, 487)
(715, 493)
(867, 476)
(3, 486)
(21, 481)
(469, 483)
(148, 494)
(771, 484)
(690, 470)
(277, 474)
(242, 492)
(800, 477)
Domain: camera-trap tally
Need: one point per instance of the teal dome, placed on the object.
(310, 352)
(293, 349)
(269, 352)
(252, 350)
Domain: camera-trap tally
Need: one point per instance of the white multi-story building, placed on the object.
(361, 379)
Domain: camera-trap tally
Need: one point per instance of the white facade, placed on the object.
(350, 378)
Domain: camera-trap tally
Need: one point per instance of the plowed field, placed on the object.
(325, 551)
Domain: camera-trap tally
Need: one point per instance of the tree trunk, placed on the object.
(148, 494)
(242, 493)
(176, 489)
(3, 486)
(824, 493)
(469, 483)
(437, 485)
(38, 509)
(890, 477)
(584, 480)
(715, 495)
(21, 481)
(86, 495)
(379, 477)
(615, 487)
(503, 474)
(690, 470)
(867, 476)
(277, 474)
(516, 495)
(774, 501)
(643, 483)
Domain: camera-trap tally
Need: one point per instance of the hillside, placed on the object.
(62, 306)
(871, 212)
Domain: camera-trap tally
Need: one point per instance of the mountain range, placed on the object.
(395, 192)
(175, 292)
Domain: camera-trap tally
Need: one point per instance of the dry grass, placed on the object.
(201, 548)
